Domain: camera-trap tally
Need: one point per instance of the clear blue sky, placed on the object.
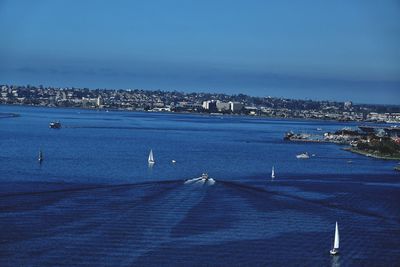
(341, 50)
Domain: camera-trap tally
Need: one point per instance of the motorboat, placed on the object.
(303, 156)
(204, 177)
(55, 125)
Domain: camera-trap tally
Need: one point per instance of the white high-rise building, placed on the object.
(99, 101)
(209, 104)
(222, 106)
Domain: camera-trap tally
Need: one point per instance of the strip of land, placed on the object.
(203, 103)
(373, 154)
(375, 142)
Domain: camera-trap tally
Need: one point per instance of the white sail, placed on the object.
(273, 172)
(336, 242)
(151, 158)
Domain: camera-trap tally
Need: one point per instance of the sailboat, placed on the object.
(151, 158)
(335, 249)
(40, 158)
(273, 172)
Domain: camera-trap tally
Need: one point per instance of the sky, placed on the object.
(334, 50)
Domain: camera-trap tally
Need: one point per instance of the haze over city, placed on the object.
(341, 50)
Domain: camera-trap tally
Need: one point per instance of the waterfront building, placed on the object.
(235, 106)
(222, 106)
(210, 105)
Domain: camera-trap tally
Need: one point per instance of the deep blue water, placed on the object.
(95, 201)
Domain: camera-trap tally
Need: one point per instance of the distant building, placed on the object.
(206, 104)
(235, 106)
(99, 101)
(89, 102)
(348, 105)
(251, 110)
(161, 109)
(222, 106)
(210, 105)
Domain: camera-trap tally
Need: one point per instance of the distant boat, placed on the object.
(55, 125)
(319, 129)
(273, 172)
(335, 249)
(205, 177)
(151, 157)
(303, 156)
(173, 161)
(40, 158)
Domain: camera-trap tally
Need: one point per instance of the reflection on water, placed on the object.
(335, 262)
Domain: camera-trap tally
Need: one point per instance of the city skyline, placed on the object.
(323, 51)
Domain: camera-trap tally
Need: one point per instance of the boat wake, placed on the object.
(150, 223)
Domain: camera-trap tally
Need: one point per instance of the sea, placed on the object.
(95, 201)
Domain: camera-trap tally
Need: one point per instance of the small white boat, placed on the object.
(151, 157)
(335, 249)
(273, 172)
(319, 129)
(173, 161)
(303, 156)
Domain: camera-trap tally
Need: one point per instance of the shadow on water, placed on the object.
(251, 190)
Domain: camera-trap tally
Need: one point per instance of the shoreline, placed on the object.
(371, 155)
